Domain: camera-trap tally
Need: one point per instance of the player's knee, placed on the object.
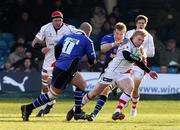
(137, 75)
(45, 89)
(83, 86)
(106, 91)
(135, 92)
(53, 93)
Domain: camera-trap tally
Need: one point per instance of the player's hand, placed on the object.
(144, 56)
(153, 74)
(45, 50)
(112, 55)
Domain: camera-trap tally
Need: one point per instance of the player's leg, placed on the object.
(50, 104)
(137, 76)
(46, 81)
(39, 101)
(105, 80)
(59, 83)
(80, 84)
(95, 92)
(126, 84)
(45, 89)
(100, 102)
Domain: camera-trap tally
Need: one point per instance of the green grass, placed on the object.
(152, 115)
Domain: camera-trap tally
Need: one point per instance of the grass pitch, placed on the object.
(152, 115)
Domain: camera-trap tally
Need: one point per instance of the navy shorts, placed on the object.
(60, 78)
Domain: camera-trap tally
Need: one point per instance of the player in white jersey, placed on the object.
(50, 33)
(149, 50)
(128, 52)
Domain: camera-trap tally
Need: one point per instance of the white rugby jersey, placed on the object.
(119, 64)
(148, 44)
(51, 37)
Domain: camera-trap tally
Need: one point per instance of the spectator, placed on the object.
(106, 29)
(116, 12)
(27, 66)
(159, 49)
(112, 20)
(163, 69)
(171, 55)
(98, 19)
(17, 55)
(8, 67)
(24, 26)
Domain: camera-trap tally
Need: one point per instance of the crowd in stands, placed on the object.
(20, 20)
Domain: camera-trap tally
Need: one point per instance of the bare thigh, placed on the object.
(79, 81)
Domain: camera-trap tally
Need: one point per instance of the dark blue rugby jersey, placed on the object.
(109, 39)
(74, 46)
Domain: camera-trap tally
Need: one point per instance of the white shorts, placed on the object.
(47, 68)
(111, 77)
(47, 72)
(137, 72)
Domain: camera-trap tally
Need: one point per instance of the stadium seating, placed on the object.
(8, 38)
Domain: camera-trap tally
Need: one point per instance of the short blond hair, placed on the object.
(120, 26)
(141, 32)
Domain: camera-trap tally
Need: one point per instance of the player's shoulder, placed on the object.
(126, 41)
(46, 26)
(130, 31)
(108, 36)
(89, 39)
(86, 38)
(69, 27)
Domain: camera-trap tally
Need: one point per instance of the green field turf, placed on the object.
(152, 115)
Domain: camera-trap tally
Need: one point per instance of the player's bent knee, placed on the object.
(51, 95)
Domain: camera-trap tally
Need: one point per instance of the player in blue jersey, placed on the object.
(109, 46)
(69, 51)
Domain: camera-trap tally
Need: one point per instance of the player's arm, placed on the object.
(106, 47)
(37, 44)
(130, 57)
(58, 48)
(151, 49)
(91, 55)
(106, 44)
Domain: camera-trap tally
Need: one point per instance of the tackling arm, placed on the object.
(130, 57)
(106, 47)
